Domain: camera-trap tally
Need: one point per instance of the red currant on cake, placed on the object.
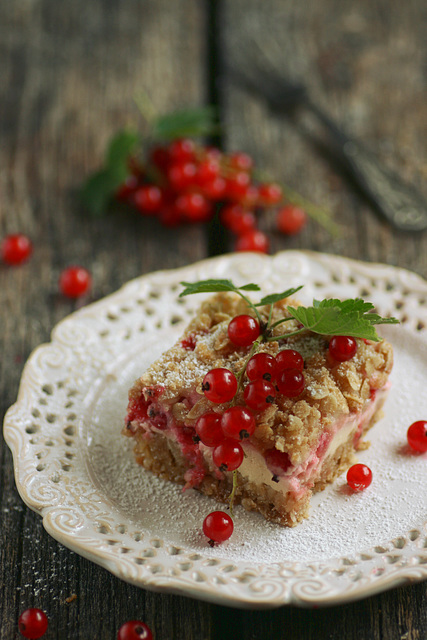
(74, 282)
(261, 365)
(218, 527)
(238, 423)
(243, 330)
(359, 477)
(209, 430)
(219, 385)
(228, 455)
(417, 436)
(342, 348)
(289, 359)
(33, 623)
(291, 383)
(259, 394)
(134, 630)
(15, 249)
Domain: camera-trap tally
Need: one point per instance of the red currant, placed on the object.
(193, 207)
(251, 197)
(182, 150)
(237, 186)
(242, 161)
(182, 175)
(291, 383)
(127, 189)
(15, 249)
(291, 219)
(208, 428)
(270, 193)
(169, 215)
(359, 477)
(237, 219)
(148, 199)
(207, 170)
(342, 348)
(254, 240)
(261, 365)
(289, 359)
(228, 455)
(417, 436)
(219, 385)
(215, 189)
(243, 330)
(238, 423)
(259, 394)
(159, 156)
(218, 527)
(33, 623)
(74, 282)
(134, 630)
(277, 461)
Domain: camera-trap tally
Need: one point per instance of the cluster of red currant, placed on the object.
(33, 624)
(16, 249)
(183, 182)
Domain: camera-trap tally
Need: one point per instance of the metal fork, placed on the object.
(399, 202)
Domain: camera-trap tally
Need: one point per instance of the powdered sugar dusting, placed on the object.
(341, 523)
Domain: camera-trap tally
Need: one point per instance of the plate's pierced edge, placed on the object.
(261, 592)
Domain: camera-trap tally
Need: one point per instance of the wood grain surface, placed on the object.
(69, 75)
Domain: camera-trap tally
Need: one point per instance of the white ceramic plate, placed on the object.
(74, 468)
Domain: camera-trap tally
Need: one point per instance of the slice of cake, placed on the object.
(301, 408)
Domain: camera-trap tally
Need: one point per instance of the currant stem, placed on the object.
(242, 372)
(276, 324)
(286, 335)
(233, 491)
(251, 305)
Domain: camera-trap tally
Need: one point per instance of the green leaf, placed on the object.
(122, 145)
(341, 318)
(201, 121)
(275, 297)
(214, 286)
(97, 192)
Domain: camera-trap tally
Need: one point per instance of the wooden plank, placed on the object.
(69, 73)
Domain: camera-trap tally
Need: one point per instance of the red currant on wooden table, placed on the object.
(291, 383)
(218, 527)
(243, 330)
(148, 199)
(342, 348)
(253, 241)
(15, 249)
(228, 455)
(289, 359)
(261, 365)
(75, 282)
(359, 477)
(291, 219)
(33, 623)
(134, 630)
(417, 436)
(237, 219)
(270, 193)
(219, 385)
(238, 423)
(259, 394)
(209, 430)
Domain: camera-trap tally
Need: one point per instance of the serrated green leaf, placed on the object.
(276, 297)
(97, 192)
(201, 121)
(214, 286)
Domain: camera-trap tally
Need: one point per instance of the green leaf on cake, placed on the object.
(276, 297)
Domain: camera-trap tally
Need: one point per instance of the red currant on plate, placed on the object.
(228, 455)
(33, 623)
(208, 428)
(359, 477)
(291, 383)
(261, 365)
(289, 359)
(342, 348)
(74, 282)
(259, 394)
(243, 330)
(291, 219)
(219, 385)
(238, 423)
(15, 249)
(417, 436)
(134, 630)
(218, 527)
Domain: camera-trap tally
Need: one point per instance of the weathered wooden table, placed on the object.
(69, 72)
